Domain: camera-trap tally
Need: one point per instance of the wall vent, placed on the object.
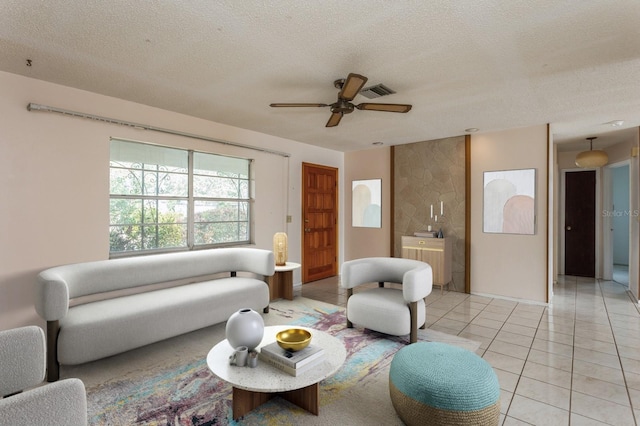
(376, 91)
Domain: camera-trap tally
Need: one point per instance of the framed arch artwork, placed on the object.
(366, 203)
(510, 202)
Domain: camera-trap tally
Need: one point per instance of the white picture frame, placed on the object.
(366, 209)
(509, 202)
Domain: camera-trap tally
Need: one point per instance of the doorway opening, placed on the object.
(617, 214)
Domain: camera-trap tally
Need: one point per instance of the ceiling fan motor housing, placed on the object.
(342, 106)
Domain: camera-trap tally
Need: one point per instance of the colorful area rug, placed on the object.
(169, 383)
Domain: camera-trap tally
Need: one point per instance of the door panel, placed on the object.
(580, 223)
(319, 221)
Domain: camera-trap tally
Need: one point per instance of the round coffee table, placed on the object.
(253, 387)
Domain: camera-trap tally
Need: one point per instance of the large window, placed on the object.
(166, 198)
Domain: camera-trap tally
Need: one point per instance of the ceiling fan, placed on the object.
(349, 88)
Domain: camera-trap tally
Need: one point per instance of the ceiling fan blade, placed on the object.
(334, 120)
(298, 105)
(352, 86)
(384, 107)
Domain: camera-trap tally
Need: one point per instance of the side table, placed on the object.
(281, 282)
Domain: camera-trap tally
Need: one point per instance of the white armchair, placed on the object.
(25, 400)
(388, 310)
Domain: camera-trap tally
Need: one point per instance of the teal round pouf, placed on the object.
(438, 384)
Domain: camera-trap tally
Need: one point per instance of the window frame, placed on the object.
(191, 200)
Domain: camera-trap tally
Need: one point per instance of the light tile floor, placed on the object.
(573, 362)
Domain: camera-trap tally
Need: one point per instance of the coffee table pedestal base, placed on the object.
(307, 398)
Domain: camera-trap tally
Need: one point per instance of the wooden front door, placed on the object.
(319, 222)
(580, 224)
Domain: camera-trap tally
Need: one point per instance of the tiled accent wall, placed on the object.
(426, 173)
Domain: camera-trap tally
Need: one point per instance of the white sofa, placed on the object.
(207, 291)
(387, 310)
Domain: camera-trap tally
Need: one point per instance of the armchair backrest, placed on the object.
(415, 276)
(22, 359)
(22, 366)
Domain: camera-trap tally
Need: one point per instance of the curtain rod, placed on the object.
(37, 107)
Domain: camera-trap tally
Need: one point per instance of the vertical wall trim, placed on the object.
(549, 204)
(392, 197)
(467, 214)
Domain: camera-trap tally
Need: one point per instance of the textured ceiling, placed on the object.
(492, 65)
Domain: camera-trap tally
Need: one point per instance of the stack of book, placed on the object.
(294, 363)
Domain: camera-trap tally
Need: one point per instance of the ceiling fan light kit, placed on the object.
(349, 89)
(592, 158)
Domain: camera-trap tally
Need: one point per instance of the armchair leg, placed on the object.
(349, 294)
(53, 367)
(413, 310)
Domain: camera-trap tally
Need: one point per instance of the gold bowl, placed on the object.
(293, 339)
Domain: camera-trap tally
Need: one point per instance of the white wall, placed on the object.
(54, 180)
(513, 266)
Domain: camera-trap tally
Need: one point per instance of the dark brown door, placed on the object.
(319, 222)
(580, 224)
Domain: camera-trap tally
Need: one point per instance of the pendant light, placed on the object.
(591, 158)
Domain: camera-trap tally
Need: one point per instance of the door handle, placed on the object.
(568, 228)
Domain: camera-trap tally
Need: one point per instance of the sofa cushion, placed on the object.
(107, 327)
(383, 310)
(63, 403)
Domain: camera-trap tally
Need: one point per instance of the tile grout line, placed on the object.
(615, 342)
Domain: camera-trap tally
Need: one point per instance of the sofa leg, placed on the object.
(413, 310)
(53, 367)
(349, 294)
(266, 309)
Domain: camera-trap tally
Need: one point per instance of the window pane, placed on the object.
(125, 238)
(219, 187)
(244, 189)
(164, 236)
(220, 211)
(167, 184)
(221, 232)
(125, 181)
(243, 231)
(218, 165)
(141, 153)
(125, 212)
(165, 211)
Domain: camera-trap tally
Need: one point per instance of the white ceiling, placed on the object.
(487, 64)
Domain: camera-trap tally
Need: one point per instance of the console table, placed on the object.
(437, 252)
